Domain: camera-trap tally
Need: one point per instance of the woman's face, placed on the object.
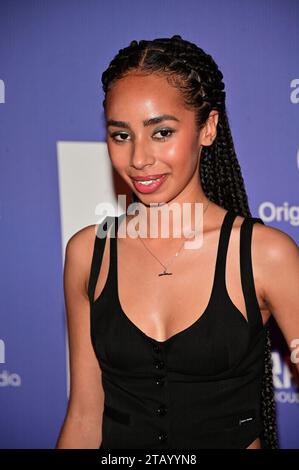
(151, 134)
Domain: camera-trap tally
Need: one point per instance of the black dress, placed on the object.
(201, 388)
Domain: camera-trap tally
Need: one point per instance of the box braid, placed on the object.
(195, 74)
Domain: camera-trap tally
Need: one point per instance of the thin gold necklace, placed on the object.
(165, 273)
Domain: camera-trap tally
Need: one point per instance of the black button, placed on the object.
(162, 410)
(156, 348)
(159, 381)
(162, 436)
(159, 364)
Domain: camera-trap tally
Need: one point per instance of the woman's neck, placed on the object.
(169, 220)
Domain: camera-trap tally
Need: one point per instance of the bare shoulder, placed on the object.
(79, 251)
(275, 260)
(273, 245)
(81, 238)
(276, 255)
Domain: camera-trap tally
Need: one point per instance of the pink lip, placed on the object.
(150, 188)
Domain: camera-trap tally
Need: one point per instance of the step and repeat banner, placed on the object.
(55, 170)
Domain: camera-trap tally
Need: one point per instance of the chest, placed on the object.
(163, 306)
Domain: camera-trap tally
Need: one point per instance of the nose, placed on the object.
(141, 155)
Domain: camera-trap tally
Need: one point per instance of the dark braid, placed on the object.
(198, 78)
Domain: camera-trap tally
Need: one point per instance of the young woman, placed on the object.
(173, 351)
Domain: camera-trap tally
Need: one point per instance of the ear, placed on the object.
(209, 131)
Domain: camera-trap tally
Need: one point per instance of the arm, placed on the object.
(83, 421)
(279, 258)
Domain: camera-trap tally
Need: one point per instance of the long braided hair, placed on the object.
(196, 75)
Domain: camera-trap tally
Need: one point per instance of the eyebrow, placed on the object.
(147, 122)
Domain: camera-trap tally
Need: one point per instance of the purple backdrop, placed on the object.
(52, 54)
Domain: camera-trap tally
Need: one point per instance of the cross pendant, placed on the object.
(165, 273)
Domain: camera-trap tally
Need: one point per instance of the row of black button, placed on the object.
(162, 409)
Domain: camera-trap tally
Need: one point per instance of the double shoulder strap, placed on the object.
(98, 251)
(247, 278)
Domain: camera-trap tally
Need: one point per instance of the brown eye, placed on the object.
(165, 133)
(122, 136)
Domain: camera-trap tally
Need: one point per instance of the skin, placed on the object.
(157, 312)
